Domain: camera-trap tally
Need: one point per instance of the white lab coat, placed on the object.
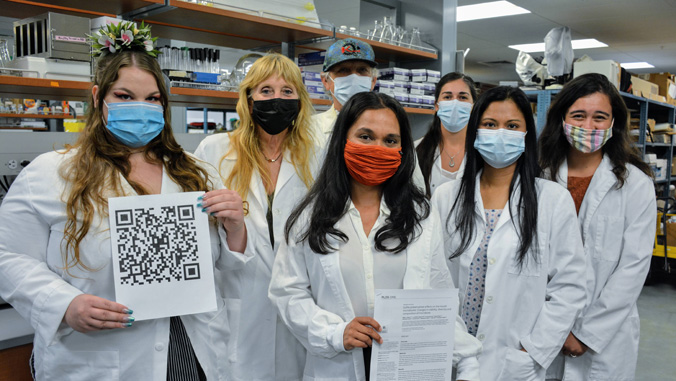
(322, 125)
(310, 293)
(32, 279)
(532, 307)
(261, 346)
(437, 176)
(618, 230)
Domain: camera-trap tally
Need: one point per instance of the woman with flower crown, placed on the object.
(55, 249)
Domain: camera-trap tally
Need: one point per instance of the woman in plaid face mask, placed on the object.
(585, 147)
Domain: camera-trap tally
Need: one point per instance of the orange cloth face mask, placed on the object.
(371, 164)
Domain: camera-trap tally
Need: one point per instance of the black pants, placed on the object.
(367, 362)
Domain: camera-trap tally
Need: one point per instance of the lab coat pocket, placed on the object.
(608, 237)
(82, 365)
(520, 366)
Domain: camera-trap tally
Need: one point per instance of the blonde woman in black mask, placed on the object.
(269, 161)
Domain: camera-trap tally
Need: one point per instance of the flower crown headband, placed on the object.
(123, 36)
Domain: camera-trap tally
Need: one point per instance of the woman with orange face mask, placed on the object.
(363, 226)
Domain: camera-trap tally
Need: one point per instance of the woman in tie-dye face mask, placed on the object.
(585, 146)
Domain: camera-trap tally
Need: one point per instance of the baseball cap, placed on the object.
(348, 49)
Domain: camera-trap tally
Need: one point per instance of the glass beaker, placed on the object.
(377, 30)
(388, 30)
(4, 53)
(415, 39)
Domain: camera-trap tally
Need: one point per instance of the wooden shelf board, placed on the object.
(389, 52)
(223, 27)
(21, 9)
(40, 88)
(24, 128)
(40, 116)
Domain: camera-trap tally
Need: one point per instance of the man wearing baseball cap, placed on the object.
(349, 68)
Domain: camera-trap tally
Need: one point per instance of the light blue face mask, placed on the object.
(135, 124)
(346, 87)
(500, 148)
(454, 114)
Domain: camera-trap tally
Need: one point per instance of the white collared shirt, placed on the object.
(363, 267)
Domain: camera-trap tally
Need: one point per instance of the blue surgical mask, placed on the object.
(135, 124)
(500, 148)
(346, 87)
(454, 114)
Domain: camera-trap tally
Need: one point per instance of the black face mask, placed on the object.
(275, 115)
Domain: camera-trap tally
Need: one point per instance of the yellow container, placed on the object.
(73, 125)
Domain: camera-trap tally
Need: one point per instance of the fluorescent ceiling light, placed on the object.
(488, 10)
(636, 65)
(588, 43)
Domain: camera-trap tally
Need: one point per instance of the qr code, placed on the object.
(157, 246)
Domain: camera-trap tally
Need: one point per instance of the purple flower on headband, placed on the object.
(126, 37)
(107, 42)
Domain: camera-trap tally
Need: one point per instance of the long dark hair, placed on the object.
(526, 171)
(327, 200)
(429, 143)
(554, 146)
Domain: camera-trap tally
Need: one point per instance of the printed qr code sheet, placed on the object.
(162, 261)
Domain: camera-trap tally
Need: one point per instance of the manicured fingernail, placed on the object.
(129, 319)
(204, 209)
(200, 198)
(127, 311)
(199, 204)
(212, 213)
(127, 325)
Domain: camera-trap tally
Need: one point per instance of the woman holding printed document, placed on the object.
(363, 226)
(512, 243)
(56, 264)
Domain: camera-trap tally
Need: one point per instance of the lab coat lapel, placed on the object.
(511, 207)
(286, 172)
(602, 182)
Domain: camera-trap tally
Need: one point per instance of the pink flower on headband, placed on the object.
(107, 42)
(126, 37)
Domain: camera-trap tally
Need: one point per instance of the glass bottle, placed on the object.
(415, 39)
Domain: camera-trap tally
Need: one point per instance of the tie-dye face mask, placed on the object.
(586, 140)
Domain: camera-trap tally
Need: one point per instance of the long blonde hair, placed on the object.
(92, 172)
(245, 141)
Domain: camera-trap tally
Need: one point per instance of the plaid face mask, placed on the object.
(586, 140)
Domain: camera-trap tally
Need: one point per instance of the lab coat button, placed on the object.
(491, 261)
(481, 337)
(489, 299)
(159, 347)
(277, 212)
(369, 276)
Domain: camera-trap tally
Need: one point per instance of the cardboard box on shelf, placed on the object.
(658, 98)
(643, 88)
(662, 81)
(673, 167)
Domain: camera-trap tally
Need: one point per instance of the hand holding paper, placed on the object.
(361, 332)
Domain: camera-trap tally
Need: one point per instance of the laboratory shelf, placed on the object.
(389, 52)
(40, 116)
(41, 88)
(223, 27)
(187, 97)
(657, 144)
(21, 9)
